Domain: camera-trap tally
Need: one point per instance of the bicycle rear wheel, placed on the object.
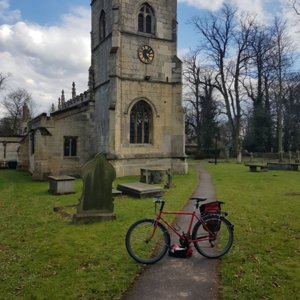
(214, 237)
(147, 241)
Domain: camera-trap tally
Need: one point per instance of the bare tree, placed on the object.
(14, 104)
(294, 17)
(282, 62)
(295, 4)
(257, 86)
(226, 42)
(3, 78)
(200, 104)
(291, 136)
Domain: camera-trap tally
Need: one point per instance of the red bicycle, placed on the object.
(148, 240)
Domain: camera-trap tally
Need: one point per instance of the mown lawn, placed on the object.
(43, 256)
(265, 208)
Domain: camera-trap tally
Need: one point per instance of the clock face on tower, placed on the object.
(146, 54)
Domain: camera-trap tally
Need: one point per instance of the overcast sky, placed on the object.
(45, 45)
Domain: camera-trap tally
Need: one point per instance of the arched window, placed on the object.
(141, 123)
(146, 19)
(102, 26)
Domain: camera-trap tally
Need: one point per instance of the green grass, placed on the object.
(43, 256)
(265, 208)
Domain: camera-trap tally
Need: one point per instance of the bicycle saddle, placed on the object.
(199, 198)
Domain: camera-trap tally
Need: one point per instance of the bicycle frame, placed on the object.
(148, 240)
(185, 236)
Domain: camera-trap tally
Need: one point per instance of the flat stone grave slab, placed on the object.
(116, 193)
(255, 167)
(140, 190)
(62, 184)
(283, 166)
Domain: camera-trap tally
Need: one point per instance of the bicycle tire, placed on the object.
(216, 234)
(143, 250)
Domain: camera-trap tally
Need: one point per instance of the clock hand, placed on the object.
(146, 54)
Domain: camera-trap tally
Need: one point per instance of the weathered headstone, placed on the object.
(152, 175)
(227, 154)
(169, 184)
(251, 157)
(280, 156)
(96, 202)
(297, 160)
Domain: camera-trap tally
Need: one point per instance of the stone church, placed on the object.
(132, 110)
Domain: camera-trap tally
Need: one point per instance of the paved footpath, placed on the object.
(179, 278)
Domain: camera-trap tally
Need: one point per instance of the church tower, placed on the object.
(137, 87)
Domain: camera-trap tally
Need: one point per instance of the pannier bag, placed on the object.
(211, 208)
(213, 225)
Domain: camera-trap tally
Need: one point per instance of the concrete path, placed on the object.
(178, 278)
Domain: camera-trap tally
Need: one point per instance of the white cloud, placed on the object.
(7, 15)
(255, 7)
(204, 4)
(46, 59)
(293, 23)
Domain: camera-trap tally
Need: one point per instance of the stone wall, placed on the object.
(121, 80)
(117, 80)
(49, 132)
(165, 13)
(132, 166)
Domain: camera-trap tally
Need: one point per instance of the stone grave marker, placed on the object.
(169, 184)
(297, 160)
(62, 184)
(96, 202)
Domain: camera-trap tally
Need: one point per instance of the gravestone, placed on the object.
(152, 175)
(140, 189)
(169, 184)
(297, 160)
(59, 185)
(96, 202)
(251, 157)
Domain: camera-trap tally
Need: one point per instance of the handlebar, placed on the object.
(159, 201)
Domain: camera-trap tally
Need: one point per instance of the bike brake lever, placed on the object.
(156, 200)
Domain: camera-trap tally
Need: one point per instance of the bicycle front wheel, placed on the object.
(147, 241)
(213, 237)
